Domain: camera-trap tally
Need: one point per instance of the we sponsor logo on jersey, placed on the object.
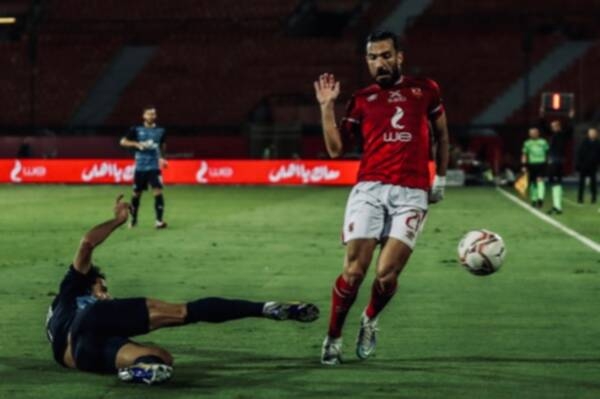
(205, 172)
(19, 171)
(397, 135)
(315, 174)
(108, 169)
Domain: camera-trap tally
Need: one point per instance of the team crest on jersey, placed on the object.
(396, 96)
(417, 92)
(372, 97)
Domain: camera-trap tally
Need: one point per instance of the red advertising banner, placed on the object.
(119, 171)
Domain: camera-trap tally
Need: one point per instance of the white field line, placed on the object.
(568, 231)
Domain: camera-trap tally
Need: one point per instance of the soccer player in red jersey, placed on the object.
(388, 205)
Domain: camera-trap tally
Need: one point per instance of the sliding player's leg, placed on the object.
(100, 333)
(136, 316)
(217, 310)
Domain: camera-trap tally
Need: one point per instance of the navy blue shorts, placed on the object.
(142, 179)
(100, 331)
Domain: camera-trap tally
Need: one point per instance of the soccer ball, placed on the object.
(481, 252)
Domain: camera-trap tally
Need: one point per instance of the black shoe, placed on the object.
(554, 211)
(540, 204)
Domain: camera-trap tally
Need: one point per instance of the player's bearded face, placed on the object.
(387, 77)
(384, 62)
(149, 116)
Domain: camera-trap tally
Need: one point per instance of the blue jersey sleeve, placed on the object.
(74, 284)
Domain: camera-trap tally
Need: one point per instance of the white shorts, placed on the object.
(377, 210)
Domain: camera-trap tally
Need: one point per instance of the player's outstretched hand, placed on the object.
(327, 89)
(121, 210)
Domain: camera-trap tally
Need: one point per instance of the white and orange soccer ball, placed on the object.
(481, 252)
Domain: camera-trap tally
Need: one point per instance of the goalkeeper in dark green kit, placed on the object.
(534, 157)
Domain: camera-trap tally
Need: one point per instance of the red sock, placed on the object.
(342, 298)
(380, 296)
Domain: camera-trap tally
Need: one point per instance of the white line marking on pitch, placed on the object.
(570, 232)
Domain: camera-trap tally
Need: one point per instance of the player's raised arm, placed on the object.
(327, 89)
(99, 233)
(440, 131)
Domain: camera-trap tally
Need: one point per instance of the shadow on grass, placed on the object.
(238, 370)
(245, 374)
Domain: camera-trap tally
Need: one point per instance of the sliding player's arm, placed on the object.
(442, 143)
(99, 233)
(327, 89)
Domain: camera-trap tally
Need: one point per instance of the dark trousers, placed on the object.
(591, 173)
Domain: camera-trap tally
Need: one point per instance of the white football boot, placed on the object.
(147, 373)
(331, 352)
(367, 337)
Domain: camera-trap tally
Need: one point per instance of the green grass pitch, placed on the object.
(530, 331)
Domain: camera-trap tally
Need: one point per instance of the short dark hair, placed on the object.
(91, 276)
(148, 107)
(381, 35)
(95, 272)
